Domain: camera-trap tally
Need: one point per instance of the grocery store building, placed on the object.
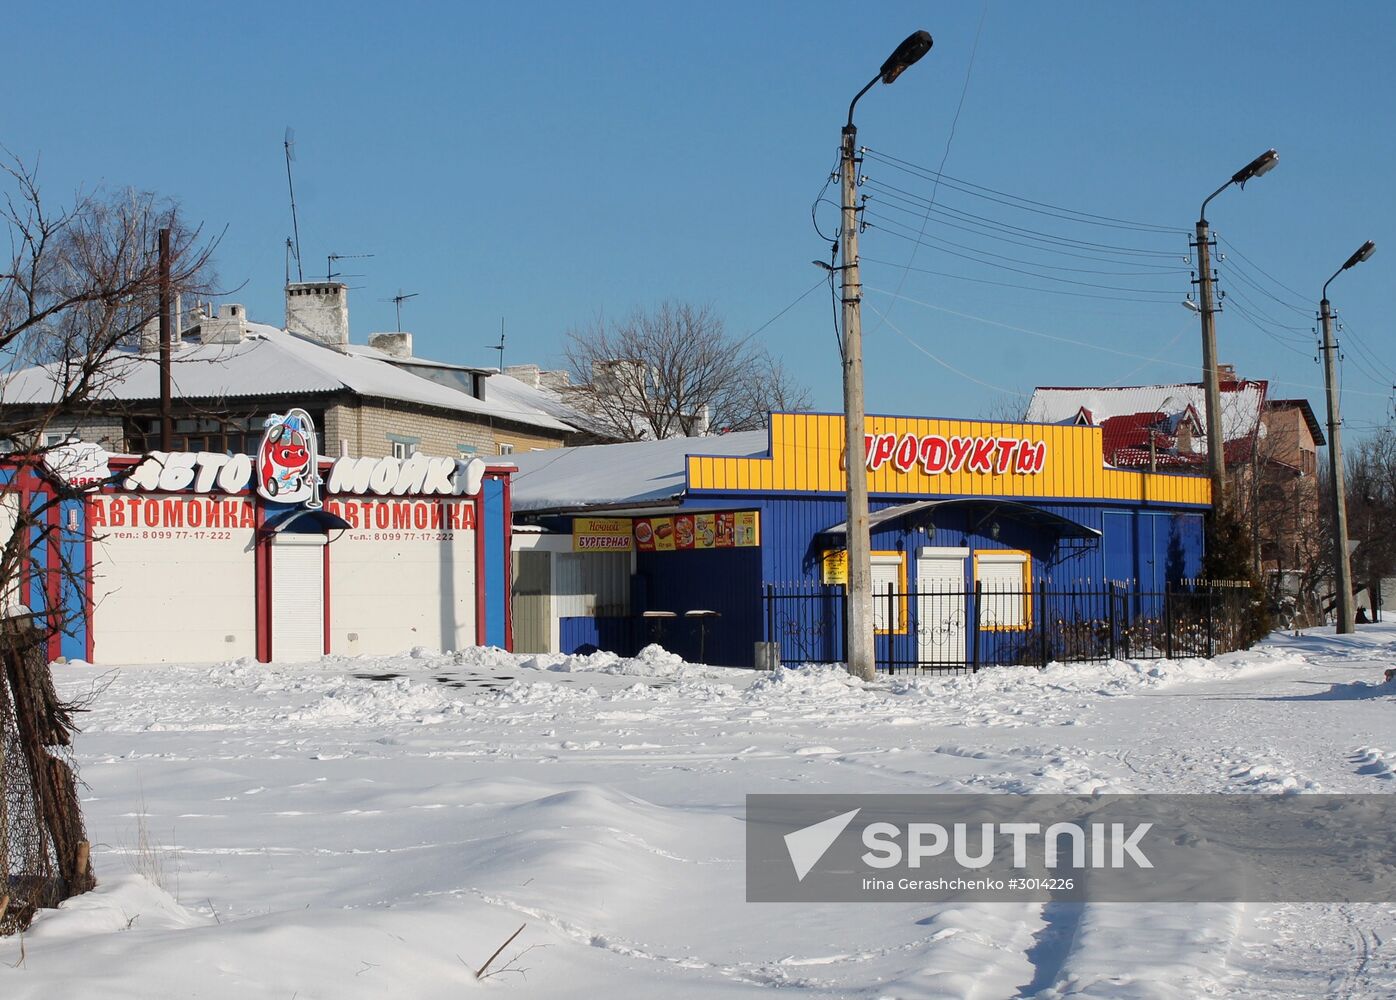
(696, 542)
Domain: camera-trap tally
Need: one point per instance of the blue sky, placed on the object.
(548, 162)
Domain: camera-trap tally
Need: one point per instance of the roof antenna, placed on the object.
(289, 144)
(500, 346)
(331, 273)
(398, 300)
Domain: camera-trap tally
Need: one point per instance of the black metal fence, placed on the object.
(963, 630)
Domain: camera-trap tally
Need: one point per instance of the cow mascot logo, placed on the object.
(286, 461)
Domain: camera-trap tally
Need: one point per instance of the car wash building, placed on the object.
(718, 547)
(202, 557)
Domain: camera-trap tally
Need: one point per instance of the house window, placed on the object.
(889, 592)
(404, 447)
(505, 448)
(465, 449)
(1005, 594)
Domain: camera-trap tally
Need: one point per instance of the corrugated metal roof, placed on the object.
(635, 472)
(271, 362)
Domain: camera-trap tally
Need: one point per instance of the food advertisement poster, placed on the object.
(601, 534)
(686, 532)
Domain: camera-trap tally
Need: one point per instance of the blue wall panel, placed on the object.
(496, 561)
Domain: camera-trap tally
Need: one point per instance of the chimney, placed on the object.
(319, 310)
(228, 327)
(396, 345)
(527, 374)
(150, 337)
(1226, 373)
(556, 381)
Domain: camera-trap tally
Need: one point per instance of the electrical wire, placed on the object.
(802, 296)
(1093, 347)
(1233, 272)
(1156, 269)
(1234, 249)
(1012, 284)
(1004, 227)
(1017, 201)
(949, 139)
(1007, 267)
(941, 361)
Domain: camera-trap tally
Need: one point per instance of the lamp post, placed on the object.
(1341, 561)
(1216, 438)
(862, 660)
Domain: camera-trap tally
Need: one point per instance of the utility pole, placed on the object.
(166, 346)
(1342, 561)
(862, 654)
(862, 651)
(1211, 380)
(1216, 435)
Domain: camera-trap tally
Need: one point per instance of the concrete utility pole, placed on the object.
(862, 653)
(1216, 434)
(1342, 562)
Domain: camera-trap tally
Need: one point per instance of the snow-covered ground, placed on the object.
(377, 827)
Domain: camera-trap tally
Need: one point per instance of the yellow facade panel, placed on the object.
(807, 452)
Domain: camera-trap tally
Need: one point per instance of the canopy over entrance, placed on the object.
(1062, 527)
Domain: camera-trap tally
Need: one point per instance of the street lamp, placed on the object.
(1341, 560)
(1216, 441)
(862, 661)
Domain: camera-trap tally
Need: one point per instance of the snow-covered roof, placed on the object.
(1241, 403)
(611, 474)
(270, 362)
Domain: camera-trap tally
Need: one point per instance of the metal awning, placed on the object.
(1063, 527)
(304, 519)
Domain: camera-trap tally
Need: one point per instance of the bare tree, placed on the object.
(79, 285)
(674, 371)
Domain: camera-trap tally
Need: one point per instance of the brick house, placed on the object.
(1271, 450)
(228, 374)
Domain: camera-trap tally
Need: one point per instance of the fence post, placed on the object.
(1211, 596)
(770, 613)
(1110, 598)
(1168, 620)
(1042, 624)
(892, 629)
(974, 623)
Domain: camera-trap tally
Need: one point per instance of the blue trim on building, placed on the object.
(495, 514)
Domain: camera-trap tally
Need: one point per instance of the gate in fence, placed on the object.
(959, 629)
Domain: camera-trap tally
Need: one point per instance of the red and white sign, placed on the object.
(205, 472)
(287, 460)
(936, 454)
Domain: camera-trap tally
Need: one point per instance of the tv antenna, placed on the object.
(397, 301)
(331, 273)
(499, 346)
(289, 144)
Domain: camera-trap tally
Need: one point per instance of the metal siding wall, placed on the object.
(496, 582)
(73, 643)
(727, 581)
(1119, 544)
(806, 450)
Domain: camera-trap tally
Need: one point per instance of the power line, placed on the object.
(949, 139)
(1093, 347)
(1233, 248)
(1158, 270)
(802, 296)
(1002, 226)
(1017, 201)
(1012, 284)
(943, 363)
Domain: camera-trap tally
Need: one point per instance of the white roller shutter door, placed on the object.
(297, 597)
